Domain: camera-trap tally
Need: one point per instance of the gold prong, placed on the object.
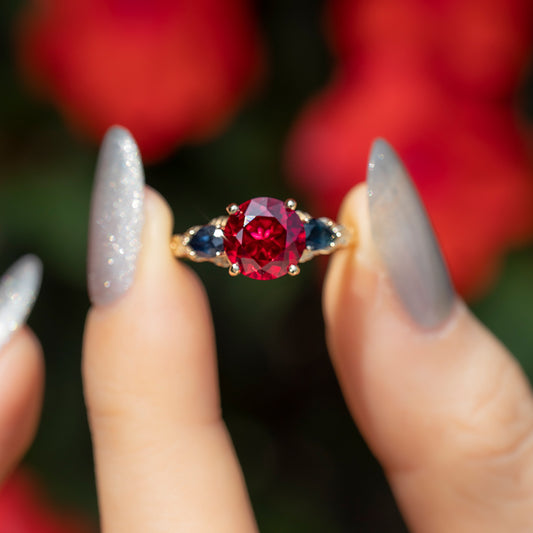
(290, 204)
(232, 209)
(294, 270)
(234, 270)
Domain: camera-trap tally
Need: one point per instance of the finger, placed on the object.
(21, 363)
(164, 460)
(445, 408)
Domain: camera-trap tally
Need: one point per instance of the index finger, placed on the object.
(164, 459)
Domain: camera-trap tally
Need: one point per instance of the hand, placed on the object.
(444, 407)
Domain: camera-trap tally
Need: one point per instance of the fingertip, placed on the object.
(156, 261)
(348, 267)
(159, 220)
(159, 328)
(21, 393)
(350, 203)
(26, 342)
(354, 213)
(22, 366)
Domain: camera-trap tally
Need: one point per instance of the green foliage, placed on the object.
(508, 309)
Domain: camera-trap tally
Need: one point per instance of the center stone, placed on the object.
(264, 238)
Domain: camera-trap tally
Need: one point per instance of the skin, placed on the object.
(21, 396)
(449, 413)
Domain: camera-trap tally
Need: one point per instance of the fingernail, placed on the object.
(19, 287)
(116, 218)
(405, 240)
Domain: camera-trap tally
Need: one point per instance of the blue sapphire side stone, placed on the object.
(318, 235)
(207, 242)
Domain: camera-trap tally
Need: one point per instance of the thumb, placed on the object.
(445, 408)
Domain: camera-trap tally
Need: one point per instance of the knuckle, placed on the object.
(498, 416)
(494, 434)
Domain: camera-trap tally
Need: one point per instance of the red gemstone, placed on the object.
(264, 238)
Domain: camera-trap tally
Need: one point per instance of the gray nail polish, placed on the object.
(404, 237)
(116, 217)
(19, 287)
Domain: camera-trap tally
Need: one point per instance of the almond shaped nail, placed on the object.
(116, 218)
(19, 287)
(405, 239)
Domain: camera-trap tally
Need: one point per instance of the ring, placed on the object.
(263, 238)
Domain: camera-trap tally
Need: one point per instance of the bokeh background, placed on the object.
(231, 99)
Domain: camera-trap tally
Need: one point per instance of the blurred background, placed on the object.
(232, 99)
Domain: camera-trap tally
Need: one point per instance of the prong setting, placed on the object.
(291, 204)
(293, 270)
(234, 270)
(232, 209)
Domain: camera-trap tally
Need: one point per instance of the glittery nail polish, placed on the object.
(19, 287)
(116, 218)
(405, 239)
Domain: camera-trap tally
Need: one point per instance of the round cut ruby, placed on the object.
(264, 238)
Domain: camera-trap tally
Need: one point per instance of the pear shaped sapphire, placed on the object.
(208, 242)
(318, 234)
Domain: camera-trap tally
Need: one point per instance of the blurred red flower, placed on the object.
(169, 70)
(24, 509)
(436, 79)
